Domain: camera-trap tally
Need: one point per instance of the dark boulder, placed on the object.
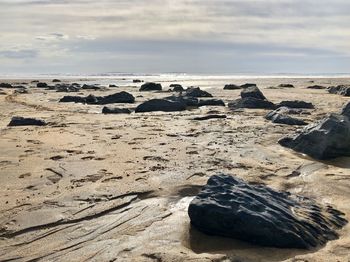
(41, 85)
(56, 80)
(211, 102)
(316, 87)
(177, 88)
(230, 207)
(247, 85)
(75, 99)
(137, 81)
(22, 121)
(251, 102)
(325, 139)
(281, 118)
(5, 85)
(207, 117)
(65, 88)
(121, 97)
(151, 87)
(91, 87)
(112, 85)
(252, 91)
(187, 100)
(160, 105)
(340, 90)
(231, 87)
(296, 104)
(286, 86)
(346, 110)
(115, 110)
(197, 92)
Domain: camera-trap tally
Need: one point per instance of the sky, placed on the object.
(191, 36)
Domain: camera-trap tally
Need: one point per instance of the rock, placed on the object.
(65, 88)
(293, 111)
(251, 102)
(296, 104)
(207, 117)
(211, 102)
(91, 87)
(230, 207)
(340, 90)
(231, 87)
(121, 97)
(197, 92)
(160, 105)
(41, 85)
(280, 118)
(346, 110)
(21, 91)
(254, 92)
(151, 87)
(248, 85)
(5, 85)
(137, 81)
(286, 86)
(316, 87)
(56, 80)
(177, 87)
(187, 100)
(115, 110)
(21, 121)
(325, 139)
(111, 85)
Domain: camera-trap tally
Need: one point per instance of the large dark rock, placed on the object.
(160, 105)
(177, 87)
(251, 102)
(346, 110)
(91, 87)
(296, 104)
(121, 97)
(211, 102)
(115, 110)
(248, 85)
(22, 121)
(151, 87)
(197, 92)
(281, 118)
(228, 206)
(231, 87)
(252, 91)
(340, 90)
(187, 100)
(41, 85)
(5, 85)
(326, 139)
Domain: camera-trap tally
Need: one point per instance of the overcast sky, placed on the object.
(194, 36)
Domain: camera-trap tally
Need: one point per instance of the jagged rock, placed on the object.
(121, 97)
(346, 110)
(316, 87)
(286, 86)
(211, 102)
(231, 87)
(160, 105)
(188, 101)
(248, 85)
(56, 80)
(177, 88)
(151, 87)
(5, 85)
(251, 102)
(22, 121)
(325, 139)
(254, 92)
(296, 104)
(197, 92)
(41, 85)
(280, 118)
(340, 90)
(207, 117)
(230, 207)
(115, 110)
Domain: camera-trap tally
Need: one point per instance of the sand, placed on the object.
(116, 187)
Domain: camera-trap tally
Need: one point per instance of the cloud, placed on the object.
(19, 54)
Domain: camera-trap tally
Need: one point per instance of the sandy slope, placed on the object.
(116, 187)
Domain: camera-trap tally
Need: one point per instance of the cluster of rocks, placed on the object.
(230, 207)
(251, 97)
(235, 87)
(343, 90)
(121, 97)
(326, 139)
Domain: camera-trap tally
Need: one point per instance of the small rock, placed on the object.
(177, 88)
(286, 86)
(316, 87)
(137, 81)
(115, 110)
(22, 121)
(197, 92)
(56, 80)
(251, 102)
(296, 104)
(211, 102)
(151, 87)
(248, 85)
(280, 118)
(111, 85)
(207, 117)
(41, 85)
(231, 87)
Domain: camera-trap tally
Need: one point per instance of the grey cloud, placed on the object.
(19, 54)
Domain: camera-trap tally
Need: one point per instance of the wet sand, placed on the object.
(116, 187)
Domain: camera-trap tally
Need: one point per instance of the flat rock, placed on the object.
(151, 87)
(280, 118)
(296, 104)
(230, 207)
(253, 92)
(211, 102)
(248, 85)
(115, 110)
(251, 102)
(325, 139)
(197, 92)
(231, 87)
(207, 117)
(160, 105)
(316, 87)
(23, 121)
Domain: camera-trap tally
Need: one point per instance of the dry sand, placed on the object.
(116, 187)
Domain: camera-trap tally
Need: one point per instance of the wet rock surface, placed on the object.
(160, 105)
(326, 139)
(228, 206)
(25, 121)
